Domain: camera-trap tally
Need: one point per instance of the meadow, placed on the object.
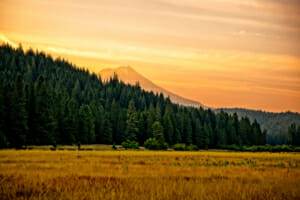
(62, 174)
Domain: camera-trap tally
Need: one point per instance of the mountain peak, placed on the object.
(128, 75)
(125, 68)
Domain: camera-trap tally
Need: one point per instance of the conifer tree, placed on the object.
(291, 135)
(107, 136)
(86, 131)
(199, 134)
(256, 133)
(188, 130)
(32, 115)
(297, 140)
(150, 121)
(168, 129)
(114, 113)
(19, 126)
(205, 140)
(121, 126)
(45, 122)
(131, 122)
(158, 132)
(245, 130)
(69, 133)
(3, 139)
(142, 126)
(157, 112)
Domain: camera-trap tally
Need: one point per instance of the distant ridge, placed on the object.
(129, 75)
(275, 123)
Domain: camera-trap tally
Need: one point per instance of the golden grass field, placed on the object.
(44, 174)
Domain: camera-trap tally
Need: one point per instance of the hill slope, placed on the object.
(130, 76)
(275, 123)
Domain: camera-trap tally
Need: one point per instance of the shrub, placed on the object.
(297, 149)
(251, 148)
(179, 147)
(164, 146)
(151, 143)
(154, 144)
(192, 147)
(262, 148)
(268, 148)
(232, 147)
(283, 148)
(184, 147)
(130, 144)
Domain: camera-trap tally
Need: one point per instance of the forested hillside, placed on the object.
(276, 124)
(47, 101)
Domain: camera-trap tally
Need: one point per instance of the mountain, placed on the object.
(129, 75)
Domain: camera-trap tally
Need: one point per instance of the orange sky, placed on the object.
(223, 53)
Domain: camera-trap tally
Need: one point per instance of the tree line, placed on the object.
(293, 135)
(276, 124)
(47, 101)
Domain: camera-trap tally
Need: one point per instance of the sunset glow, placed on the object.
(222, 53)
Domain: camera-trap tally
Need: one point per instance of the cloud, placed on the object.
(243, 33)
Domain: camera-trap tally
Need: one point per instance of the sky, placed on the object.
(223, 53)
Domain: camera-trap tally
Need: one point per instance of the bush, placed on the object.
(130, 144)
(283, 148)
(153, 144)
(297, 149)
(262, 148)
(184, 147)
(179, 147)
(268, 148)
(164, 146)
(251, 148)
(192, 147)
(232, 147)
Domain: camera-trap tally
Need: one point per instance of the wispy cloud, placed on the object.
(4, 39)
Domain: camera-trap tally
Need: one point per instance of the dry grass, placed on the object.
(40, 174)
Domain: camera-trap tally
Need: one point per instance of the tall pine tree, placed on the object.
(131, 123)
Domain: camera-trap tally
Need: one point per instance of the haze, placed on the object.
(221, 53)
